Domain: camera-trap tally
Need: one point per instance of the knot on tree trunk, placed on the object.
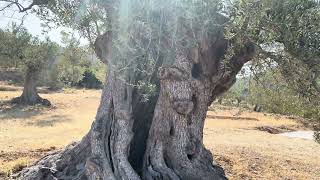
(183, 107)
(123, 114)
(93, 168)
(172, 73)
(103, 45)
(193, 148)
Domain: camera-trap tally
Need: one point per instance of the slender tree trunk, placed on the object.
(30, 95)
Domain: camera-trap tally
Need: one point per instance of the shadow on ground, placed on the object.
(9, 88)
(47, 90)
(232, 118)
(18, 87)
(9, 110)
(50, 121)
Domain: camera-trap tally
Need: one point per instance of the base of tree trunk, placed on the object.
(76, 162)
(24, 101)
(64, 164)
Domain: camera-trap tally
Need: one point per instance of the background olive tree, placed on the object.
(20, 50)
(288, 35)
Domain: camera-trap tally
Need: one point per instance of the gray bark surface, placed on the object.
(30, 95)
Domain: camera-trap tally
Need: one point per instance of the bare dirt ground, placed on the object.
(248, 153)
(238, 144)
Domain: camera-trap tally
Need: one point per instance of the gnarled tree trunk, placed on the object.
(30, 95)
(158, 139)
(161, 139)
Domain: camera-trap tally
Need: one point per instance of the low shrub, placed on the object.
(90, 80)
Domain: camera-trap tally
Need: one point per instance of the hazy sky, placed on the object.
(33, 24)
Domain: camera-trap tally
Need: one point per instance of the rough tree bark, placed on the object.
(30, 95)
(160, 139)
(175, 147)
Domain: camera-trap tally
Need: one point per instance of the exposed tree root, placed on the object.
(66, 164)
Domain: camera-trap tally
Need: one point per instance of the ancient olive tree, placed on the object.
(167, 61)
(29, 53)
(36, 55)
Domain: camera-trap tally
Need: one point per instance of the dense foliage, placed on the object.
(22, 51)
(287, 66)
(290, 27)
(57, 66)
(289, 37)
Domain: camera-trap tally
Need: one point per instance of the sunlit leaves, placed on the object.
(20, 49)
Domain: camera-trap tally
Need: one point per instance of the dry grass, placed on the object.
(28, 131)
(245, 153)
(15, 166)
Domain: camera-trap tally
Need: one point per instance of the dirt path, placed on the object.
(244, 151)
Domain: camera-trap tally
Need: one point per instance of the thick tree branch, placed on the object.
(22, 8)
(6, 6)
